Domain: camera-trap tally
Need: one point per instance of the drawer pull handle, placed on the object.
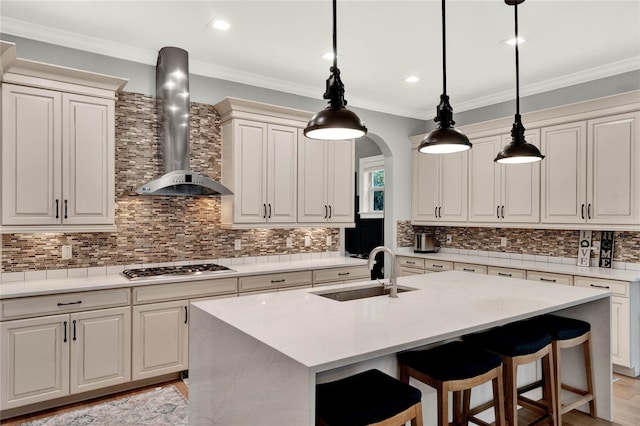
(341, 274)
(70, 303)
(502, 274)
(589, 211)
(264, 206)
(74, 330)
(57, 209)
(269, 211)
(468, 269)
(502, 212)
(600, 286)
(410, 263)
(330, 213)
(277, 281)
(65, 331)
(548, 280)
(436, 266)
(582, 210)
(186, 315)
(65, 209)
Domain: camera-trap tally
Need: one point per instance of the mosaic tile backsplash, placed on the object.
(158, 229)
(546, 242)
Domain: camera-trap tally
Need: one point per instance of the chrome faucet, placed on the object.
(393, 282)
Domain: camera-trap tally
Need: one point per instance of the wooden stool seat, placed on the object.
(567, 333)
(520, 344)
(455, 367)
(368, 398)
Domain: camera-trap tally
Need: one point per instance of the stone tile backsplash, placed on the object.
(543, 242)
(158, 229)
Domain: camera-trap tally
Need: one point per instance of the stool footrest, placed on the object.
(575, 404)
(529, 387)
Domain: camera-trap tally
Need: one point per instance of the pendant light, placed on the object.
(335, 122)
(518, 151)
(445, 139)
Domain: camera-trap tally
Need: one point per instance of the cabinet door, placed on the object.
(484, 180)
(31, 150)
(312, 180)
(564, 173)
(250, 172)
(341, 180)
(35, 360)
(100, 349)
(620, 331)
(88, 183)
(160, 339)
(520, 187)
(453, 187)
(613, 169)
(282, 176)
(424, 185)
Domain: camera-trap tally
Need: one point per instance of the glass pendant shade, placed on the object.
(445, 139)
(518, 151)
(335, 122)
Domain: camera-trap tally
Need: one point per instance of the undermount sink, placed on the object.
(354, 293)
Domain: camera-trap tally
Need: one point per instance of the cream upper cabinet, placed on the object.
(502, 193)
(439, 187)
(326, 181)
(260, 167)
(591, 172)
(613, 169)
(57, 158)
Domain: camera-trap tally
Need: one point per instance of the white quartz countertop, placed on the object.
(560, 268)
(104, 282)
(322, 333)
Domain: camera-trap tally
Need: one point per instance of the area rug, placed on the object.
(162, 406)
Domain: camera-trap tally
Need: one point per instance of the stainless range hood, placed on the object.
(172, 97)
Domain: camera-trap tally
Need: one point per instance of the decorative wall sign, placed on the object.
(584, 248)
(606, 249)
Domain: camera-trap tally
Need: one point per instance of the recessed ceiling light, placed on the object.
(412, 79)
(328, 56)
(219, 24)
(512, 41)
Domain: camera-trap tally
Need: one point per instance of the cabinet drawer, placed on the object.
(437, 265)
(619, 288)
(184, 290)
(273, 281)
(342, 274)
(506, 272)
(61, 303)
(470, 267)
(404, 271)
(550, 278)
(410, 262)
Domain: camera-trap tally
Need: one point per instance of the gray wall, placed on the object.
(389, 132)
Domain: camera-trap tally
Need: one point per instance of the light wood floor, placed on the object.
(626, 405)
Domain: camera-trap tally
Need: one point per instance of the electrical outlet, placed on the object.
(289, 242)
(503, 241)
(237, 245)
(67, 252)
(448, 239)
(307, 241)
(329, 240)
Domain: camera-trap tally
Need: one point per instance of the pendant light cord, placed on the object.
(335, 35)
(515, 8)
(444, 52)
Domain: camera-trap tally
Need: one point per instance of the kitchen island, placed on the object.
(256, 360)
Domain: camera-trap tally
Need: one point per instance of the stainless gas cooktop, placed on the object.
(163, 271)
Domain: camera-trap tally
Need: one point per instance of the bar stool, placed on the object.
(520, 344)
(568, 333)
(368, 398)
(456, 367)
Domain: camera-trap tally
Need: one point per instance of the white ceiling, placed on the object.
(279, 44)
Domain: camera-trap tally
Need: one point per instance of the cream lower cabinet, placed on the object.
(340, 275)
(54, 356)
(160, 338)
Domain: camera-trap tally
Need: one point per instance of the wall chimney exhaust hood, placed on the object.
(172, 103)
